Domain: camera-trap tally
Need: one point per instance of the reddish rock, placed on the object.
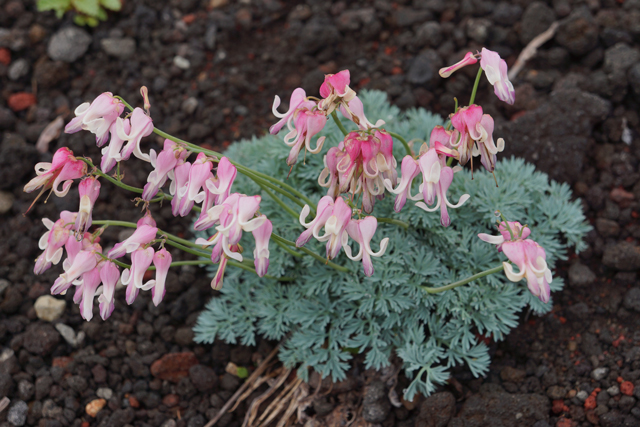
(61, 362)
(173, 366)
(170, 400)
(21, 101)
(133, 402)
(558, 406)
(626, 387)
(619, 195)
(565, 422)
(5, 56)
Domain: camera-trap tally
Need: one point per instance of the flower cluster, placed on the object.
(86, 267)
(527, 255)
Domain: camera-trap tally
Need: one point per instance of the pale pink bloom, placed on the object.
(297, 97)
(146, 219)
(143, 235)
(329, 177)
(74, 245)
(216, 192)
(354, 111)
(89, 190)
(410, 169)
(308, 121)
(86, 292)
(216, 282)
(334, 90)
(190, 193)
(96, 117)
(262, 235)
(162, 262)
(63, 169)
(132, 278)
(84, 261)
(111, 154)
(496, 70)
(362, 231)
(468, 59)
(178, 187)
(53, 241)
(527, 255)
(141, 126)
(164, 164)
(334, 217)
(475, 132)
(109, 274)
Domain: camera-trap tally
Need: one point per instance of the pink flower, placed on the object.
(476, 136)
(64, 168)
(436, 178)
(164, 164)
(354, 111)
(89, 190)
(362, 231)
(132, 278)
(86, 292)
(53, 241)
(221, 185)
(143, 235)
(334, 217)
(496, 70)
(334, 90)
(162, 262)
(216, 282)
(308, 122)
(527, 255)
(111, 154)
(297, 97)
(262, 235)
(329, 177)
(141, 126)
(179, 186)
(468, 59)
(84, 261)
(190, 193)
(96, 117)
(109, 274)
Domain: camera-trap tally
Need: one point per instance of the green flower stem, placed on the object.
(287, 248)
(110, 178)
(285, 193)
(464, 281)
(394, 222)
(475, 87)
(160, 232)
(282, 204)
(403, 141)
(507, 224)
(335, 118)
(255, 175)
(310, 253)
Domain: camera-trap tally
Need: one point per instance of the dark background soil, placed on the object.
(212, 70)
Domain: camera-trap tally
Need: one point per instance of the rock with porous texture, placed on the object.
(623, 256)
(68, 44)
(173, 366)
(496, 408)
(436, 410)
(203, 377)
(631, 299)
(580, 275)
(41, 339)
(17, 414)
(578, 32)
(120, 48)
(49, 308)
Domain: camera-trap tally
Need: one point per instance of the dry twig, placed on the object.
(531, 49)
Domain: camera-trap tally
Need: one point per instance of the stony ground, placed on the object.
(212, 70)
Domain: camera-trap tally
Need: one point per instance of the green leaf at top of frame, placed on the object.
(87, 7)
(114, 5)
(59, 6)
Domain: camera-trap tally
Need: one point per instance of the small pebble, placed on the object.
(582, 395)
(104, 393)
(182, 63)
(599, 373)
(95, 406)
(17, 414)
(49, 309)
(613, 390)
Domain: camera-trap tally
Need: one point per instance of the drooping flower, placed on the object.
(86, 291)
(84, 261)
(190, 193)
(436, 178)
(262, 235)
(109, 274)
(164, 163)
(308, 122)
(496, 70)
(96, 117)
(297, 97)
(469, 59)
(143, 235)
(474, 136)
(141, 126)
(335, 89)
(53, 241)
(178, 187)
(162, 262)
(63, 169)
(334, 217)
(111, 154)
(133, 278)
(526, 254)
(89, 190)
(362, 231)
(354, 111)
(221, 185)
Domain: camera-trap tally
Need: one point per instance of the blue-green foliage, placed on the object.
(325, 312)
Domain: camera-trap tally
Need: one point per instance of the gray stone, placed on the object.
(631, 299)
(181, 62)
(70, 335)
(556, 392)
(478, 29)
(436, 410)
(317, 33)
(607, 227)
(26, 390)
(203, 378)
(6, 384)
(424, 68)
(580, 275)
(18, 68)
(375, 404)
(582, 395)
(578, 32)
(623, 256)
(68, 44)
(41, 339)
(429, 34)
(599, 373)
(104, 393)
(614, 390)
(210, 36)
(506, 13)
(619, 58)
(497, 408)
(536, 19)
(120, 48)
(633, 75)
(49, 308)
(17, 414)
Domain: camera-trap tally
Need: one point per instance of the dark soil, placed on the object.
(575, 117)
